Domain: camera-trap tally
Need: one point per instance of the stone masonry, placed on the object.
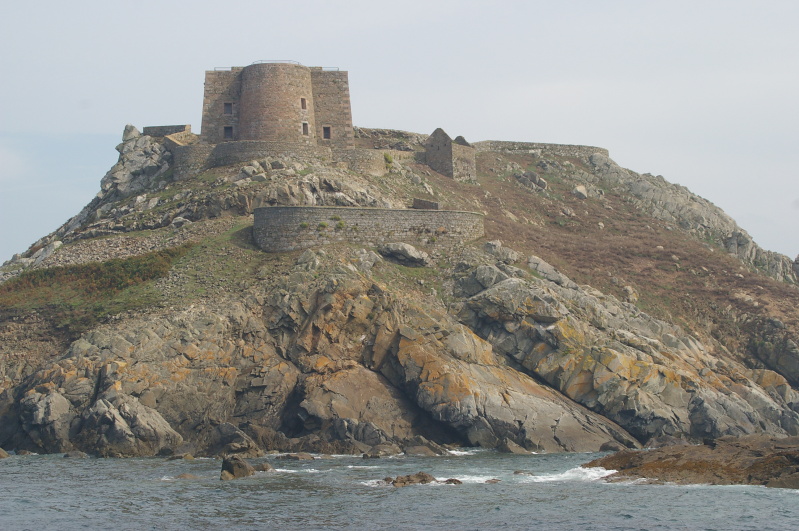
(280, 229)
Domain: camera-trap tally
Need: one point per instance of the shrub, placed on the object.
(388, 158)
(304, 225)
(339, 225)
(322, 226)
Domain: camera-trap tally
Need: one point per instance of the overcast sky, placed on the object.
(705, 93)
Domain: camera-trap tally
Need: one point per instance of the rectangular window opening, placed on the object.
(228, 132)
(305, 128)
(303, 103)
(326, 132)
(228, 108)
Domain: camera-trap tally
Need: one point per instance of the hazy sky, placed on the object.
(704, 93)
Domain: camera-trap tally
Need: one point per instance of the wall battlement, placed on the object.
(281, 229)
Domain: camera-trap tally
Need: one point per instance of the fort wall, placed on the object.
(280, 229)
(564, 150)
(221, 87)
(333, 112)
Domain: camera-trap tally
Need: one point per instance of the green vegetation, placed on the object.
(339, 225)
(76, 297)
(304, 225)
(388, 158)
(322, 225)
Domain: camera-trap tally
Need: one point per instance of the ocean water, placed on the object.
(345, 492)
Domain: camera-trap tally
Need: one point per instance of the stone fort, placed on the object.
(276, 108)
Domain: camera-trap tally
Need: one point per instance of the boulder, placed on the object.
(405, 254)
(263, 466)
(509, 447)
(299, 456)
(580, 192)
(234, 467)
(3, 454)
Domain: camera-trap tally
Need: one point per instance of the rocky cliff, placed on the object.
(614, 310)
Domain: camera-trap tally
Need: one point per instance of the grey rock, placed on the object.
(405, 254)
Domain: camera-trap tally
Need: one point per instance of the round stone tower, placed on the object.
(276, 103)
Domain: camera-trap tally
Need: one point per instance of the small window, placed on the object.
(305, 128)
(303, 103)
(228, 108)
(326, 132)
(228, 133)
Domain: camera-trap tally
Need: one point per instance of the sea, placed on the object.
(540, 491)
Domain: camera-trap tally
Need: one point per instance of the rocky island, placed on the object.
(426, 292)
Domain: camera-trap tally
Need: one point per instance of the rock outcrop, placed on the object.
(749, 460)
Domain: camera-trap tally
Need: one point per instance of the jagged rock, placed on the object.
(234, 467)
(503, 254)
(130, 133)
(3, 454)
(46, 417)
(228, 439)
(45, 252)
(549, 273)
(580, 192)
(420, 478)
(141, 161)
(405, 254)
(119, 425)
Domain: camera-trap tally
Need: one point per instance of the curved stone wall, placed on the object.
(271, 103)
(279, 229)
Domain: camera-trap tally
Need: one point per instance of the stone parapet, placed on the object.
(280, 229)
(164, 130)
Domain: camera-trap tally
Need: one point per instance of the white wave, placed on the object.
(286, 470)
(470, 479)
(358, 467)
(462, 452)
(574, 474)
(167, 478)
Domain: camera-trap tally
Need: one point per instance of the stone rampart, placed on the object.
(280, 229)
(190, 160)
(373, 161)
(564, 150)
(247, 150)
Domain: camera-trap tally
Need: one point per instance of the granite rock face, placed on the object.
(646, 375)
